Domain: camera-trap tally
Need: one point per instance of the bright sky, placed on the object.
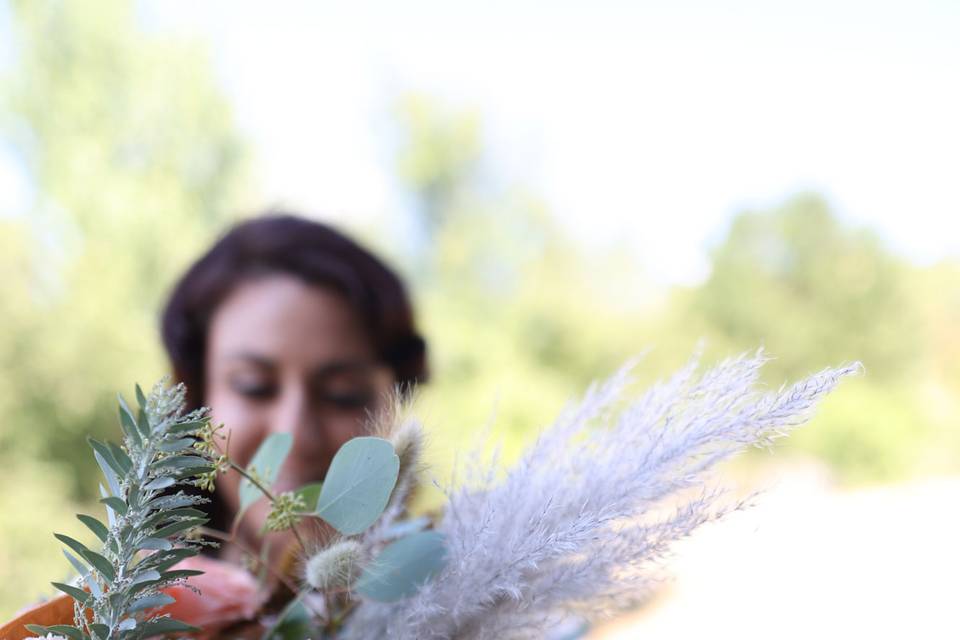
(637, 123)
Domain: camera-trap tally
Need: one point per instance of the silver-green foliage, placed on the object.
(362, 476)
(403, 567)
(360, 484)
(150, 520)
(361, 497)
(265, 466)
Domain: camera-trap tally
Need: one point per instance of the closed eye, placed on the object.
(257, 392)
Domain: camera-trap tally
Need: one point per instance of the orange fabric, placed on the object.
(59, 610)
(229, 595)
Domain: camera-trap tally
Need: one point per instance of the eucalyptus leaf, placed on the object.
(406, 527)
(176, 574)
(84, 572)
(146, 576)
(127, 625)
(163, 626)
(76, 593)
(111, 517)
(266, 463)
(56, 630)
(163, 560)
(179, 462)
(116, 504)
(133, 494)
(171, 514)
(94, 525)
(76, 545)
(180, 525)
(97, 561)
(175, 501)
(102, 631)
(127, 421)
(177, 445)
(104, 450)
(187, 427)
(141, 398)
(402, 567)
(37, 629)
(189, 472)
(155, 544)
(358, 485)
(160, 483)
(81, 568)
(112, 481)
(293, 623)
(65, 630)
(150, 602)
(102, 565)
(143, 424)
(310, 494)
(121, 457)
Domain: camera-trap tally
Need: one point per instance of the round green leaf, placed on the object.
(266, 462)
(403, 566)
(358, 484)
(310, 494)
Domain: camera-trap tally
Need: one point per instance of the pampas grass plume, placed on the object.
(578, 525)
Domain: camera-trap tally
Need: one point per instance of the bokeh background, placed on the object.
(563, 185)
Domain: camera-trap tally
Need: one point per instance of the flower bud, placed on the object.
(333, 567)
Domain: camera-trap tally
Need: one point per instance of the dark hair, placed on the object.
(311, 251)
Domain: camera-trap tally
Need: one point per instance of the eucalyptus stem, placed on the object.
(266, 492)
(252, 479)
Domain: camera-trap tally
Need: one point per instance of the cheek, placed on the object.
(315, 446)
(244, 425)
(341, 429)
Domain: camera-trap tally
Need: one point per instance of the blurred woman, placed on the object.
(287, 326)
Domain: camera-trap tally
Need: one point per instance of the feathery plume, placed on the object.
(577, 525)
(334, 566)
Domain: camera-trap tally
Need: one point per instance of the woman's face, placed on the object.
(284, 356)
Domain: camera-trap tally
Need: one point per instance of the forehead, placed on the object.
(287, 320)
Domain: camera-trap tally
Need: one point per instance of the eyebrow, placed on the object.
(330, 368)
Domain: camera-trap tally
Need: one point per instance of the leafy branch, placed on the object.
(150, 522)
(153, 524)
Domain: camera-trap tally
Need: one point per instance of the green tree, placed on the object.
(135, 164)
(816, 292)
(812, 290)
(519, 319)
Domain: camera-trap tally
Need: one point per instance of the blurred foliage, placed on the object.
(520, 319)
(811, 290)
(137, 166)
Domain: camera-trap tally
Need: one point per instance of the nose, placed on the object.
(292, 414)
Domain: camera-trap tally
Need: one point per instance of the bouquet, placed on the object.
(572, 532)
